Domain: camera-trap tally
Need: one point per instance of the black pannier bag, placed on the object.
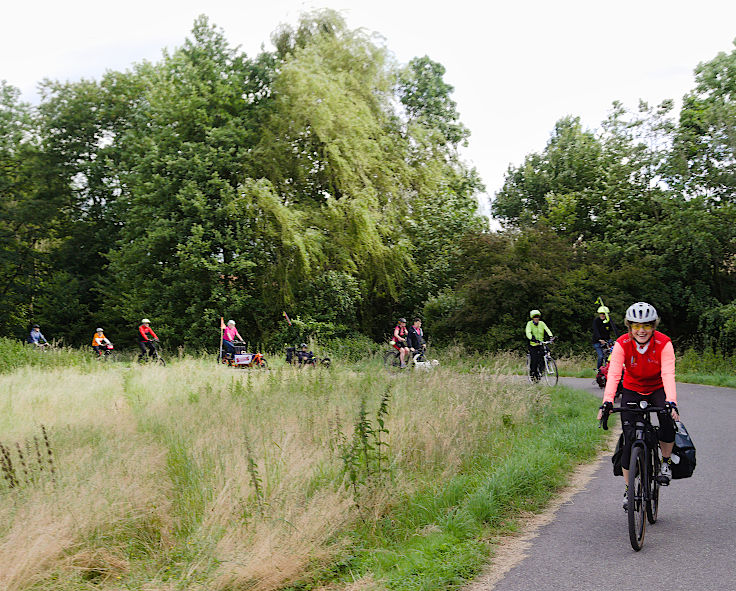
(616, 458)
(683, 454)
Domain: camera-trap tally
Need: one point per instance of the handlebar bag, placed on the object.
(683, 454)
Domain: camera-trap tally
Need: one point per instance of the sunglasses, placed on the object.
(642, 326)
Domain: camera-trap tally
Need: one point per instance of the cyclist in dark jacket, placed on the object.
(416, 336)
(604, 331)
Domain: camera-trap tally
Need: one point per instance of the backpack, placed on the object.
(683, 454)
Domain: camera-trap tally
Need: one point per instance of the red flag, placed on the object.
(287, 318)
(222, 324)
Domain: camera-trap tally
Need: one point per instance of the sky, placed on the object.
(517, 67)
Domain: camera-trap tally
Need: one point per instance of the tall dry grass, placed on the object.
(200, 477)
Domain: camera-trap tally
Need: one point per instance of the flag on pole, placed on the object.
(222, 335)
(286, 316)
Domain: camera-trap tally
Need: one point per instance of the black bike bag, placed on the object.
(683, 454)
(616, 458)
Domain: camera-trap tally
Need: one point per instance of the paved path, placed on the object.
(691, 547)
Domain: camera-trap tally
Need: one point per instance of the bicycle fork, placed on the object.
(643, 495)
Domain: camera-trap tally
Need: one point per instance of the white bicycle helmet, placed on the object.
(534, 313)
(231, 322)
(99, 330)
(641, 312)
(145, 321)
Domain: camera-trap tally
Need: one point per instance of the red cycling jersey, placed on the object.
(645, 372)
(400, 331)
(144, 331)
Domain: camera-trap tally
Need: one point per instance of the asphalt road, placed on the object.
(691, 547)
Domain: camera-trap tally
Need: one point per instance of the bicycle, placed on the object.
(293, 357)
(644, 480)
(417, 359)
(153, 355)
(549, 374)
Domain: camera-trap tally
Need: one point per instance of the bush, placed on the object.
(353, 348)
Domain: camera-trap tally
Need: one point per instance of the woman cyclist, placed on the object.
(399, 341)
(649, 359)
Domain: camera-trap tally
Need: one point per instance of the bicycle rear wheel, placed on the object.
(550, 371)
(637, 497)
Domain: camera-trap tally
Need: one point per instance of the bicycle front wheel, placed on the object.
(637, 497)
(550, 371)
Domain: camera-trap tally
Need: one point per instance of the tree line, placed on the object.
(323, 178)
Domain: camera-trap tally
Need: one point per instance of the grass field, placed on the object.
(201, 477)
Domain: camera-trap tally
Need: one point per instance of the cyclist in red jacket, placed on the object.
(146, 339)
(649, 359)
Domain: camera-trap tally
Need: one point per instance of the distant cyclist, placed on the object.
(304, 355)
(649, 359)
(146, 339)
(415, 338)
(604, 330)
(36, 338)
(400, 341)
(229, 334)
(535, 330)
(99, 341)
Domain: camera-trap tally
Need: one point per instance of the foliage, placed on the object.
(323, 178)
(213, 184)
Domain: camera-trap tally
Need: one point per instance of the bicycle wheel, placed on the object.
(529, 368)
(653, 498)
(159, 360)
(325, 362)
(637, 497)
(550, 371)
(391, 359)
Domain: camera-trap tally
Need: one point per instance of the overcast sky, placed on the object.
(517, 67)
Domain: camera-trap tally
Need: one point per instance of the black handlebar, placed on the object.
(637, 409)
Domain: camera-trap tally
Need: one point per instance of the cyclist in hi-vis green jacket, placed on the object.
(535, 330)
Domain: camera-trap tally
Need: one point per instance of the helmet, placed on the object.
(603, 310)
(534, 313)
(36, 326)
(402, 320)
(231, 322)
(641, 312)
(145, 321)
(303, 345)
(99, 330)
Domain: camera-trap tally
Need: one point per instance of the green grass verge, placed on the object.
(439, 538)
